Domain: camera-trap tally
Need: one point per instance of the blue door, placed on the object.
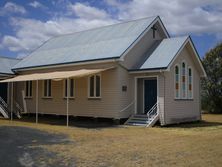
(150, 94)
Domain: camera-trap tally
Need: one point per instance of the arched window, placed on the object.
(177, 82)
(190, 83)
(184, 81)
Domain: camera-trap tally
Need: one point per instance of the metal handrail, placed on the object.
(4, 107)
(152, 111)
(3, 102)
(129, 105)
(18, 107)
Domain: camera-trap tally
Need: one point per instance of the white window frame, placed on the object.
(64, 88)
(29, 88)
(43, 86)
(94, 96)
(179, 84)
(188, 81)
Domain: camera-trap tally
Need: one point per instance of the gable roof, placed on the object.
(6, 65)
(164, 53)
(102, 43)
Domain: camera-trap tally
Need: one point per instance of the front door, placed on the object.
(150, 94)
(4, 91)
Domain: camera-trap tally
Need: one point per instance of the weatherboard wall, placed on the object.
(112, 100)
(182, 110)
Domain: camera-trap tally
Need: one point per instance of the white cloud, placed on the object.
(88, 12)
(36, 4)
(12, 43)
(21, 55)
(11, 7)
(180, 17)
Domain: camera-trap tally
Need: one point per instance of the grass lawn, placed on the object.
(194, 144)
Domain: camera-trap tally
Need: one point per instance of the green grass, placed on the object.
(193, 144)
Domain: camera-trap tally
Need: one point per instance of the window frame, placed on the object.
(64, 88)
(179, 85)
(30, 89)
(47, 89)
(94, 89)
(188, 82)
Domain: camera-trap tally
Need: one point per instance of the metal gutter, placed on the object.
(93, 61)
(147, 70)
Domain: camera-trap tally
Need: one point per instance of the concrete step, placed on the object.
(140, 116)
(138, 121)
(136, 124)
(141, 120)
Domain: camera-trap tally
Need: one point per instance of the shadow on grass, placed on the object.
(197, 124)
(20, 147)
(82, 122)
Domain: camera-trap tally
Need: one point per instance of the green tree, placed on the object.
(212, 85)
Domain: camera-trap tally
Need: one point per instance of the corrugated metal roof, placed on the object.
(164, 53)
(6, 64)
(100, 43)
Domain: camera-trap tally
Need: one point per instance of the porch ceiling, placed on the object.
(55, 75)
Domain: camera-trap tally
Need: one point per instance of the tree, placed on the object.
(212, 85)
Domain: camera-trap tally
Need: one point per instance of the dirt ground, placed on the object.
(91, 143)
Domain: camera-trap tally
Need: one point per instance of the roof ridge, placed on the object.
(118, 23)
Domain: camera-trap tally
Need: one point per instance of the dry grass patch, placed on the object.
(194, 144)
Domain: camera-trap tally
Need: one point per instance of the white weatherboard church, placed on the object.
(132, 70)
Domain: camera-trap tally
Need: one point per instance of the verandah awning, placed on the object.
(55, 75)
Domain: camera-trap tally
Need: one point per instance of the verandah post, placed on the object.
(12, 101)
(37, 101)
(67, 103)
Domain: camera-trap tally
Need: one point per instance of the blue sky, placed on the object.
(26, 24)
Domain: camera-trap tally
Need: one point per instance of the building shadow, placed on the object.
(81, 122)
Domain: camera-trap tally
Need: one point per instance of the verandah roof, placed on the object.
(55, 75)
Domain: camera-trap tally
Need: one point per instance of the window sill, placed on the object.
(47, 98)
(70, 98)
(94, 98)
(27, 98)
(183, 99)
